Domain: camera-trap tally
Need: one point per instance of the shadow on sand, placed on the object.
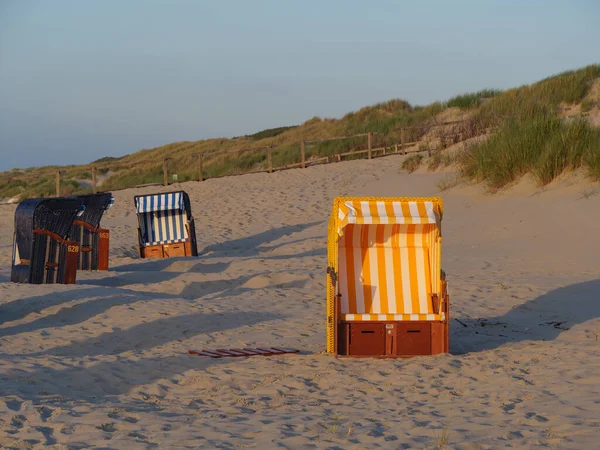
(541, 319)
(253, 245)
(170, 268)
(108, 378)
(101, 300)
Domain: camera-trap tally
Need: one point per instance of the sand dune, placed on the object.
(103, 364)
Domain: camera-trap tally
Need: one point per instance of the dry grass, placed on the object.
(412, 163)
(449, 182)
(526, 104)
(443, 438)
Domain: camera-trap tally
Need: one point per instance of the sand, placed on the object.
(104, 364)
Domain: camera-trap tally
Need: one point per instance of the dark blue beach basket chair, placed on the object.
(42, 250)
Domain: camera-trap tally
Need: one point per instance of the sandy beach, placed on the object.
(104, 363)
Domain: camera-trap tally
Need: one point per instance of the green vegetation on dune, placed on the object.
(533, 138)
(544, 146)
(271, 132)
(528, 136)
(472, 100)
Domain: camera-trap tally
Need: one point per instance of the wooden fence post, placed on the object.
(94, 189)
(370, 143)
(58, 183)
(302, 155)
(402, 141)
(165, 173)
(270, 159)
(200, 174)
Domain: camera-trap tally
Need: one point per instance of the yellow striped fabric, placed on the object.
(390, 317)
(385, 272)
(388, 212)
(384, 256)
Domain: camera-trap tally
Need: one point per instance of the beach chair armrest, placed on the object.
(436, 304)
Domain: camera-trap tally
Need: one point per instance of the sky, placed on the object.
(80, 80)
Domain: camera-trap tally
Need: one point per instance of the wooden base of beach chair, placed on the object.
(93, 246)
(54, 259)
(239, 352)
(166, 250)
(103, 247)
(397, 339)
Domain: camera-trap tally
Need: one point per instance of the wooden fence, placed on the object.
(398, 148)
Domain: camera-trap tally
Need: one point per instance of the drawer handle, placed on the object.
(367, 331)
(413, 331)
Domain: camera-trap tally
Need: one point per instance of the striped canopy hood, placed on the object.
(376, 211)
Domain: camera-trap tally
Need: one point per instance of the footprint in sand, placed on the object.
(108, 427)
(18, 421)
(118, 415)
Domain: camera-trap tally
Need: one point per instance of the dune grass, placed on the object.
(412, 163)
(472, 100)
(526, 116)
(544, 146)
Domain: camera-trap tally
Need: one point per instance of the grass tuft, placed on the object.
(472, 100)
(448, 182)
(544, 146)
(412, 163)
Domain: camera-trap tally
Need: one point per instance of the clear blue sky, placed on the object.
(80, 80)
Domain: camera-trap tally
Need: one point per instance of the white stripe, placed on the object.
(405, 272)
(366, 212)
(374, 271)
(422, 292)
(173, 229)
(357, 268)
(168, 241)
(351, 212)
(389, 269)
(383, 218)
(398, 212)
(156, 226)
(163, 225)
(398, 317)
(430, 212)
(414, 211)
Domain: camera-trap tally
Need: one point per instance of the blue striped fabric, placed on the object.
(168, 241)
(160, 202)
(163, 227)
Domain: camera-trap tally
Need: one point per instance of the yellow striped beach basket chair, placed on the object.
(386, 292)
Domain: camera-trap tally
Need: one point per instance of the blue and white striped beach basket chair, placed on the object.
(165, 225)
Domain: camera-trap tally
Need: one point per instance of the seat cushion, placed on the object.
(391, 317)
